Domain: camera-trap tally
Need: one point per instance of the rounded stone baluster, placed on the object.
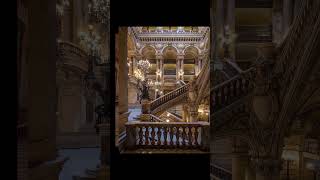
(140, 135)
(190, 136)
(184, 136)
(147, 135)
(165, 135)
(196, 135)
(171, 135)
(159, 135)
(153, 134)
(177, 136)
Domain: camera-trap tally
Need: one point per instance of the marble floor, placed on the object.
(79, 160)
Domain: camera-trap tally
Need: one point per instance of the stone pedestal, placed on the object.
(193, 116)
(145, 103)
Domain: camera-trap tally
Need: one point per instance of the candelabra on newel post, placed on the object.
(143, 84)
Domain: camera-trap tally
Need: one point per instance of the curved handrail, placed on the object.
(72, 48)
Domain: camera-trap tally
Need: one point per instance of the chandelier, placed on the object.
(144, 65)
(91, 42)
(60, 7)
(99, 11)
(139, 75)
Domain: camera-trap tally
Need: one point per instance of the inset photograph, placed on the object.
(162, 89)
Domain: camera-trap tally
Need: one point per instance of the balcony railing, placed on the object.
(157, 135)
(73, 55)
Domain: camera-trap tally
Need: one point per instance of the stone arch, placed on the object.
(191, 51)
(169, 52)
(148, 52)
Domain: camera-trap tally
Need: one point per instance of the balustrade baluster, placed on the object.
(226, 93)
(183, 135)
(190, 136)
(165, 135)
(153, 134)
(177, 136)
(159, 135)
(147, 135)
(171, 135)
(140, 135)
(196, 133)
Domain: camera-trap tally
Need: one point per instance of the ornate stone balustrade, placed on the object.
(229, 91)
(219, 172)
(168, 135)
(73, 55)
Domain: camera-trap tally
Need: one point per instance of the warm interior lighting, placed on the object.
(167, 120)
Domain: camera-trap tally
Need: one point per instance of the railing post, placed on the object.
(205, 137)
(131, 136)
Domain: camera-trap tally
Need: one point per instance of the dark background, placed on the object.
(156, 13)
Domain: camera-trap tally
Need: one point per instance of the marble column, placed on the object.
(180, 69)
(287, 14)
(277, 22)
(219, 23)
(239, 165)
(240, 159)
(231, 23)
(159, 72)
(193, 112)
(162, 70)
(44, 162)
(177, 68)
(185, 114)
(196, 66)
(122, 79)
